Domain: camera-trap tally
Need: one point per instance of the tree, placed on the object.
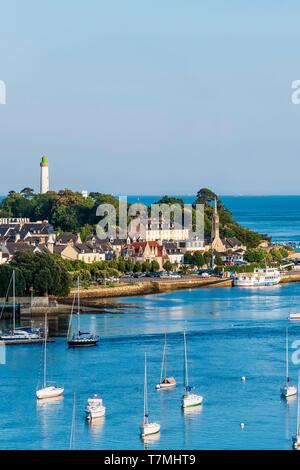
(188, 258)
(168, 266)
(45, 273)
(255, 255)
(170, 200)
(129, 266)
(155, 266)
(205, 196)
(146, 267)
(198, 259)
(6, 272)
(27, 193)
(137, 268)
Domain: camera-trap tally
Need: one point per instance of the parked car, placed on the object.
(175, 275)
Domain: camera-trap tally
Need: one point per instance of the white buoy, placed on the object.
(243, 378)
(242, 425)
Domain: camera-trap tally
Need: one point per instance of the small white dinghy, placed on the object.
(146, 428)
(165, 382)
(95, 408)
(47, 391)
(189, 399)
(288, 390)
(296, 439)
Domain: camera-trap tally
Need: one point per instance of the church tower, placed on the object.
(216, 242)
(44, 184)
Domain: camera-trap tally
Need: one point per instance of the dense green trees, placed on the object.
(67, 210)
(6, 281)
(254, 255)
(168, 266)
(45, 273)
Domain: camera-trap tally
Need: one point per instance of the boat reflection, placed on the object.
(149, 441)
(96, 426)
(49, 402)
(192, 411)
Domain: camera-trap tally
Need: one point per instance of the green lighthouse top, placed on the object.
(44, 159)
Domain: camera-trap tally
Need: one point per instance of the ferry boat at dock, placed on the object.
(260, 277)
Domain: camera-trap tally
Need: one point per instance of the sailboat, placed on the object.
(288, 390)
(18, 335)
(147, 428)
(189, 399)
(296, 439)
(165, 382)
(80, 339)
(47, 391)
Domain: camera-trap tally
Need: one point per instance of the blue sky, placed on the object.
(160, 96)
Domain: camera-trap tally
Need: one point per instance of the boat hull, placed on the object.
(296, 442)
(165, 386)
(95, 414)
(81, 343)
(49, 392)
(294, 316)
(149, 429)
(189, 401)
(288, 391)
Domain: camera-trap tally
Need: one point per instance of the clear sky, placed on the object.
(151, 96)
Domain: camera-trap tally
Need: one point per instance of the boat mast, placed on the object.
(45, 353)
(298, 408)
(287, 356)
(165, 358)
(186, 378)
(146, 414)
(14, 300)
(78, 304)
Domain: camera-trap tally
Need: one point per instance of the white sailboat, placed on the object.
(18, 335)
(146, 427)
(189, 399)
(47, 391)
(288, 390)
(165, 382)
(296, 439)
(80, 339)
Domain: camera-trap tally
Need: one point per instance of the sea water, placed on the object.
(230, 333)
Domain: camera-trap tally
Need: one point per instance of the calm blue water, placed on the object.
(231, 333)
(278, 216)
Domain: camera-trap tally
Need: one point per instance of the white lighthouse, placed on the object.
(44, 185)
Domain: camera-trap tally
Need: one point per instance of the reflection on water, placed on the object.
(150, 441)
(48, 403)
(96, 426)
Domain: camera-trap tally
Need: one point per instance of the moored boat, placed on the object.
(189, 399)
(79, 338)
(47, 391)
(95, 408)
(19, 335)
(147, 428)
(260, 277)
(288, 390)
(165, 382)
